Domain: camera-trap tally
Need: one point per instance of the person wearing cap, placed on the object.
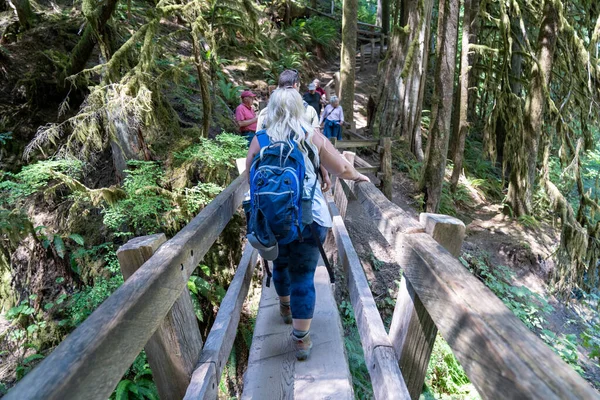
(332, 119)
(321, 91)
(245, 115)
(290, 79)
(295, 263)
(313, 98)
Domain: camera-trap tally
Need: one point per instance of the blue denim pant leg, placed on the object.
(294, 272)
(249, 136)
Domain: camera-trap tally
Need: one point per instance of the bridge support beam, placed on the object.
(175, 346)
(412, 331)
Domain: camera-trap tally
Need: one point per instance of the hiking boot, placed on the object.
(286, 313)
(302, 346)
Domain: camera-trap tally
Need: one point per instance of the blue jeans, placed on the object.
(249, 135)
(332, 129)
(294, 272)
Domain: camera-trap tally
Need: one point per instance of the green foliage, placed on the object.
(354, 351)
(34, 178)
(137, 382)
(5, 137)
(230, 92)
(444, 373)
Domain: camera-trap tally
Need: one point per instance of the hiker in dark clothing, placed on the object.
(313, 98)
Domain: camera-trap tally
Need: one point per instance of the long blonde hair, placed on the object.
(286, 114)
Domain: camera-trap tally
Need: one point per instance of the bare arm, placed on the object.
(334, 162)
(247, 122)
(252, 152)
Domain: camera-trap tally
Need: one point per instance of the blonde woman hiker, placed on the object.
(288, 227)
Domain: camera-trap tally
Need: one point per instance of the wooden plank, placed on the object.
(501, 356)
(222, 335)
(379, 355)
(92, 359)
(386, 167)
(362, 57)
(369, 25)
(357, 135)
(273, 371)
(413, 334)
(351, 144)
(174, 348)
(390, 219)
(412, 331)
(367, 170)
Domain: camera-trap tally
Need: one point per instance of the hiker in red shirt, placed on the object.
(245, 115)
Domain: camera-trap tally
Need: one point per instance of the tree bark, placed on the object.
(463, 103)
(348, 58)
(523, 163)
(24, 13)
(439, 132)
(204, 88)
(379, 13)
(95, 28)
(413, 98)
(392, 85)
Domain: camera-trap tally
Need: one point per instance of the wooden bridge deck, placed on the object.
(273, 371)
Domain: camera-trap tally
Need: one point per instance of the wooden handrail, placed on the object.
(89, 363)
(379, 354)
(352, 144)
(219, 342)
(500, 355)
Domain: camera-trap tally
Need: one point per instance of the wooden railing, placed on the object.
(501, 356)
(89, 363)
(152, 310)
(383, 171)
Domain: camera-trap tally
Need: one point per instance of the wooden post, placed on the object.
(412, 331)
(175, 346)
(336, 82)
(372, 50)
(362, 57)
(339, 195)
(386, 167)
(381, 43)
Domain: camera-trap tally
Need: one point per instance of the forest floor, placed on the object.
(491, 237)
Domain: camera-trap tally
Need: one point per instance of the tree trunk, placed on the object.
(413, 98)
(392, 85)
(385, 17)
(348, 58)
(463, 103)
(94, 29)
(379, 13)
(439, 132)
(24, 13)
(516, 71)
(204, 88)
(523, 164)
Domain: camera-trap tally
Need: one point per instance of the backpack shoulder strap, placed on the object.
(263, 138)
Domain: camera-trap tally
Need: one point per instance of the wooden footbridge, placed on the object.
(152, 311)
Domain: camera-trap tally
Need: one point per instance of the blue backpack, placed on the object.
(278, 210)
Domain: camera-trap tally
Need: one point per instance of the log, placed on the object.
(386, 167)
(222, 335)
(174, 348)
(90, 362)
(412, 331)
(372, 51)
(500, 355)
(379, 354)
(352, 144)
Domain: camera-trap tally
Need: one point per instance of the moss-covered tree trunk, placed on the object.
(204, 88)
(24, 12)
(523, 163)
(392, 85)
(348, 58)
(463, 103)
(95, 29)
(443, 92)
(383, 15)
(415, 83)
